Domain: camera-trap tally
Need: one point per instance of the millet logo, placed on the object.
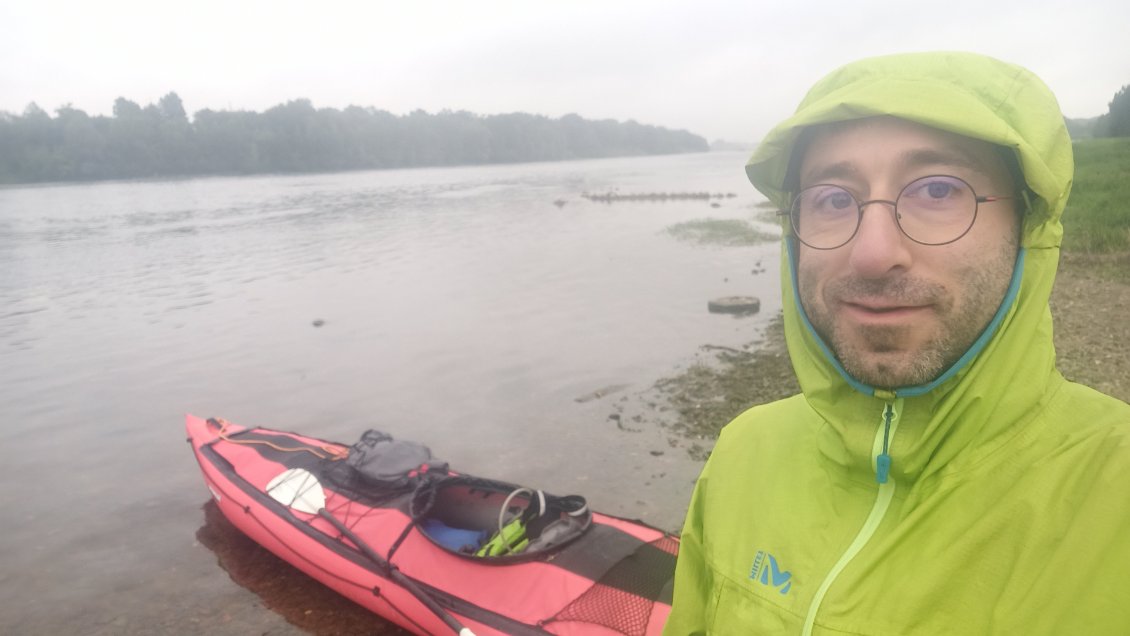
(766, 571)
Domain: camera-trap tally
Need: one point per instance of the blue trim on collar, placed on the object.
(921, 389)
(855, 384)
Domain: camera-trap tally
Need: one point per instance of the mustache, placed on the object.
(904, 291)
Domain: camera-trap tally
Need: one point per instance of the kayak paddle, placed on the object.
(299, 489)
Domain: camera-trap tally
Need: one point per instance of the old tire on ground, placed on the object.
(734, 305)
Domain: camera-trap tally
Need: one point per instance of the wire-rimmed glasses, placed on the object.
(931, 210)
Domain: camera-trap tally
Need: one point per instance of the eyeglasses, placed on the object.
(932, 210)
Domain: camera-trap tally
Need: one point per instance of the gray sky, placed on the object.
(720, 69)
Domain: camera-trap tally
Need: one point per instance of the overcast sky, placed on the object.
(719, 69)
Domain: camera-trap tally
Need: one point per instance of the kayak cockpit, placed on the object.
(495, 521)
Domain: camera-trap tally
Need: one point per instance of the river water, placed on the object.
(459, 307)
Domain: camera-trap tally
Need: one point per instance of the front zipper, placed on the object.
(881, 463)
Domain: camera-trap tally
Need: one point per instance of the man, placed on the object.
(937, 475)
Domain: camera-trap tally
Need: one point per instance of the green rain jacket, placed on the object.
(1006, 505)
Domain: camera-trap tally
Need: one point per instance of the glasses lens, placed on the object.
(825, 216)
(935, 210)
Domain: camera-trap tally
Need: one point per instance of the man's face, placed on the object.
(895, 312)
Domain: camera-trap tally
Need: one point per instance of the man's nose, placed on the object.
(879, 245)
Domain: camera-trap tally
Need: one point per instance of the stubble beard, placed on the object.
(881, 356)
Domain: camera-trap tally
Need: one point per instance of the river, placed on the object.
(459, 307)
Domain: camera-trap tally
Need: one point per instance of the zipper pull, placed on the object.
(882, 467)
(883, 459)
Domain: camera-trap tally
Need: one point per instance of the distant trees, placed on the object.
(1118, 117)
(1083, 128)
(160, 140)
(1114, 123)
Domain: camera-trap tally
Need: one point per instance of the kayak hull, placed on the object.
(615, 579)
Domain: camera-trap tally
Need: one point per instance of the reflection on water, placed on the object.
(460, 307)
(304, 602)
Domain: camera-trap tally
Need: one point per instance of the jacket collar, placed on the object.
(958, 418)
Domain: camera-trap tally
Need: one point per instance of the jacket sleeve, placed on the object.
(693, 576)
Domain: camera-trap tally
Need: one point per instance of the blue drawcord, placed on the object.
(883, 461)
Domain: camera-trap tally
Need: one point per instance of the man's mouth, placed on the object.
(879, 309)
(883, 311)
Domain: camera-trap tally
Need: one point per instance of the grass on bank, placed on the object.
(1096, 223)
(1097, 218)
(724, 232)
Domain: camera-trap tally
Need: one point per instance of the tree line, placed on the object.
(1114, 123)
(159, 140)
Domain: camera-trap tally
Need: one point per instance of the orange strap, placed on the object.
(333, 453)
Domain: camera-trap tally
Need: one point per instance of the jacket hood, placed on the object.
(1007, 371)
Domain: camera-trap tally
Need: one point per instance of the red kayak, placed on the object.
(434, 551)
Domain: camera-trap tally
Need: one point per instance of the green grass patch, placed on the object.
(724, 232)
(1097, 218)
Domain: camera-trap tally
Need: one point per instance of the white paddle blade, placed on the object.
(298, 488)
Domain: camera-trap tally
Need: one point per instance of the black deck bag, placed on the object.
(381, 462)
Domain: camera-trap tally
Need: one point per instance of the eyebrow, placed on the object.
(917, 158)
(840, 170)
(955, 157)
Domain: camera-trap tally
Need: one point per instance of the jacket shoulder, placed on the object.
(773, 418)
(1081, 409)
(1087, 434)
(767, 431)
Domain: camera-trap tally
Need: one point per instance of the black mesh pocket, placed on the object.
(623, 599)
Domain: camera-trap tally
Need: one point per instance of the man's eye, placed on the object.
(938, 189)
(831, 199)
(840, 200)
